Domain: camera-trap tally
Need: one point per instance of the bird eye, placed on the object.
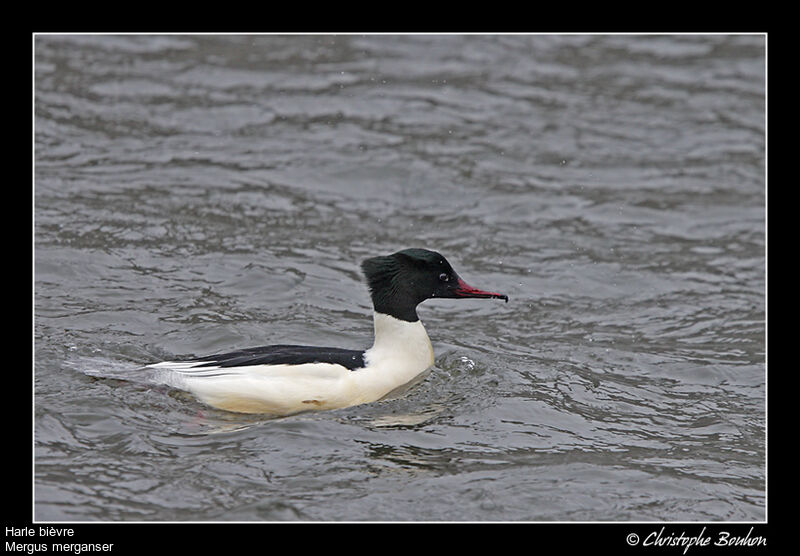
(444, 277)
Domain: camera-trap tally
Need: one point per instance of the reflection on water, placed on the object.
(196, 194)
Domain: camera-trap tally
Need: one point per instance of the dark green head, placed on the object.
(401, 281)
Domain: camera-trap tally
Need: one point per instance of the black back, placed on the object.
(285, 355)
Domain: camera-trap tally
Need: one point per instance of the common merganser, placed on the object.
(286, 379)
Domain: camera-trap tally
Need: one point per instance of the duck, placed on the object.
(281, 380)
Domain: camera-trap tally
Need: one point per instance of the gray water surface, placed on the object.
(197, 194)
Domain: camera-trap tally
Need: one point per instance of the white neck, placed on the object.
(401, 352)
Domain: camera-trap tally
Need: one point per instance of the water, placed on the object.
(195, 194)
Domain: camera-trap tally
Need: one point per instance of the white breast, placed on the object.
(401, 352)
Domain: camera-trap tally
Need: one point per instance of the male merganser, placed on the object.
(286, 379)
